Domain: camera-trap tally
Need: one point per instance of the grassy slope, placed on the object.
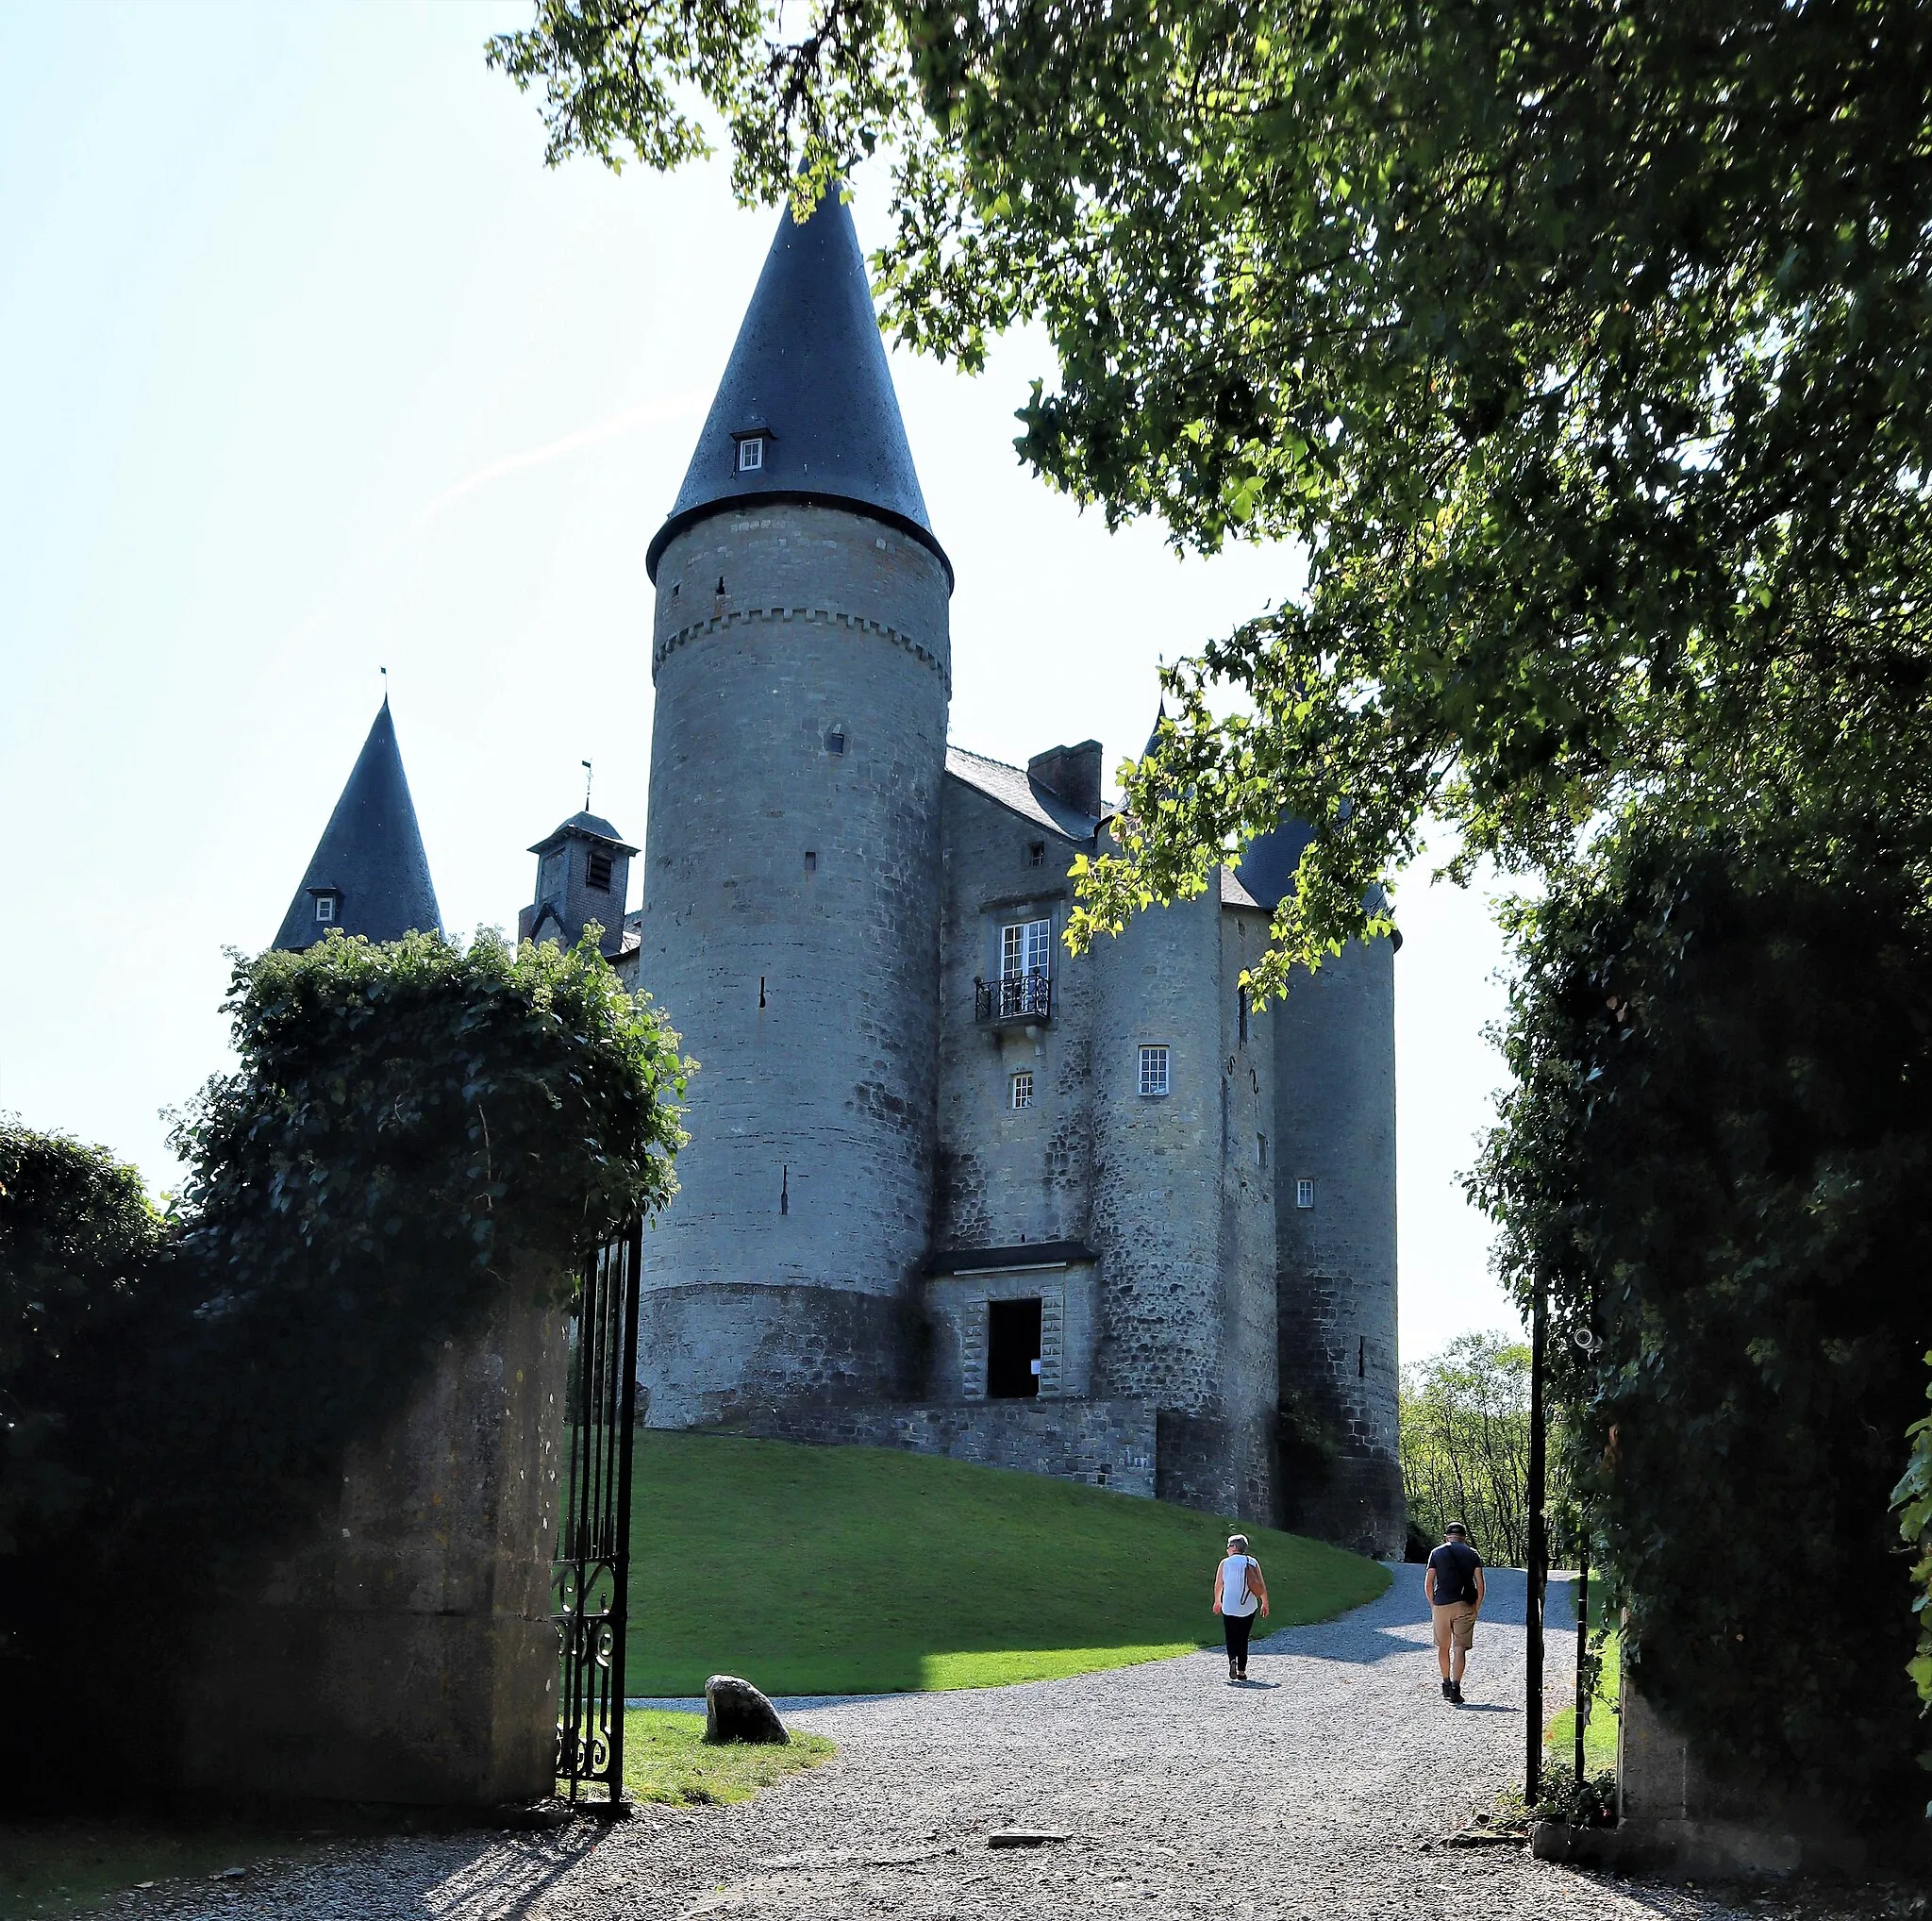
(858, 1570)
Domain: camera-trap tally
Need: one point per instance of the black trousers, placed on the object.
(1238, 1628)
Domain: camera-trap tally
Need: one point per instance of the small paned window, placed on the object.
(1036, 854)
(597, 873)
(751, 454)
(1153, 1072)
(1020, 1092)
(1305, 1194)
(325, 906)
(1025, 948)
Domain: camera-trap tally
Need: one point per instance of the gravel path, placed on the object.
(1321, 1790)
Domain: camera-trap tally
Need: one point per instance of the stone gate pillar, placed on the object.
(403, 1651)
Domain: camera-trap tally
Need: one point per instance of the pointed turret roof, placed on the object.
(370, 859)
(807, 375)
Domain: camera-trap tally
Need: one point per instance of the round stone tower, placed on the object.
(793, 862)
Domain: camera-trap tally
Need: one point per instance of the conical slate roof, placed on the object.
(808, 374)
(370, 858)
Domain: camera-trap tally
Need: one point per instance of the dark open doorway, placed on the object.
(1012, 1349)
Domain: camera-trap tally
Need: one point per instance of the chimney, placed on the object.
(1071, 773)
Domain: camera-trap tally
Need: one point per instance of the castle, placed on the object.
(948, 1187)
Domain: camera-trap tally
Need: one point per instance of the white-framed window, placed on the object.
(1020, 1090)
(325, 906)
(1025, 948)
(1305, 1194)
(751, 453)
(1155, 1081)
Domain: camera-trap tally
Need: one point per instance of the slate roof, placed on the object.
(370, 854)
(809, 372)
(1013, 788)
(581, 823)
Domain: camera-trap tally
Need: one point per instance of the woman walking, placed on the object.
(1239, 1592)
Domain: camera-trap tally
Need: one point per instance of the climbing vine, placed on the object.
(1715, 1158)
(412, 1132)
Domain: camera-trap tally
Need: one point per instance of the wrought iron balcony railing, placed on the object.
(1017, 998)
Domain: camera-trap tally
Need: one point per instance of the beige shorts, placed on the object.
(1455, 1625)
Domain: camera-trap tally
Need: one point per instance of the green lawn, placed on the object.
(665, 1758)
(58, 1867)
(860, 1570)
(1600, 1730)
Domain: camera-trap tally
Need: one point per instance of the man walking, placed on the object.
(1453, 1583)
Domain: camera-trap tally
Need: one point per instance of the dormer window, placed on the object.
(325, 908)
(751, 454)
(597, 873)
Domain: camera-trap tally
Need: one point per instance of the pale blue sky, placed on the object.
(310, 367)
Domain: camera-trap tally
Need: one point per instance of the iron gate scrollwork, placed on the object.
(590, 1579)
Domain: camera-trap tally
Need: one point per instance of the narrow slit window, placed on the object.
(811, 863)
(597, 873)
(1260, 1150)
(1242, 1015)
(1155, 1080)
(1020, 1091)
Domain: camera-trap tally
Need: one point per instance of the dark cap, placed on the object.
(1457, 1528)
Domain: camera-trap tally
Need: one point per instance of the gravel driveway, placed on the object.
(1321, 1790)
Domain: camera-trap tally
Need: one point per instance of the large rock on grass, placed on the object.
(735, 1710)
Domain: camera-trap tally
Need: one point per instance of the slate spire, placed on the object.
(807, 380)
(369, 875)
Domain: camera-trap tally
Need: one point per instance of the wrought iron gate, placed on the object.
(589, 1580)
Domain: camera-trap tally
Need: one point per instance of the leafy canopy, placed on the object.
(1585, 349)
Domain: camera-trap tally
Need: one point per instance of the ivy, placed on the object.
(1715, 1158)
(413, 1134)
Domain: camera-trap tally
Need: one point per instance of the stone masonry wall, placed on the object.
(1248, 1155)
(1004, 1175)
(1334, 1057)
(791, 930)
(1103, 1444)
(1157, 1199)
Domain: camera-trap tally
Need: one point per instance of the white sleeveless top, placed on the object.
(1233, 1577)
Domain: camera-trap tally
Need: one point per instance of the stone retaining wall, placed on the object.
(1101, 1443)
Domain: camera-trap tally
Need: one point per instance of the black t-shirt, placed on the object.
(1456, 1564)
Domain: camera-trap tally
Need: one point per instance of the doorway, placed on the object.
(1012, 1351)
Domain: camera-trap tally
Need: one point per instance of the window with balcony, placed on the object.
(1024, 991)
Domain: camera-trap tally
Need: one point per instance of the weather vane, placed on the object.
(586, 766)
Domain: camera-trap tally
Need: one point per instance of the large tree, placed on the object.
(1585, 347)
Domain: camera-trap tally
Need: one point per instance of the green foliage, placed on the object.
(862, 1570)
(1912, 1498)
(413, 1133)
(1585, 353)
(1465, 1444)
(76, 1228)
(1715, 1158)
